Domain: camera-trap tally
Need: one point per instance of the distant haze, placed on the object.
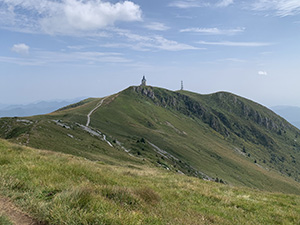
(34, 108)
(290, 113)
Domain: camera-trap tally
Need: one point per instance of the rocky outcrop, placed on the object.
(185, 105)
(235, 105)
(146, 91)
(223, 112)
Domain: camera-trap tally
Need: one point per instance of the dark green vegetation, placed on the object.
(62, 189)
(220, 137)
(4, 220)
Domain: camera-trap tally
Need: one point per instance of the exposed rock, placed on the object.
(224, 123)
(144, 90)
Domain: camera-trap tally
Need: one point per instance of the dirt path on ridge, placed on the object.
(15, 215)
(93, 110)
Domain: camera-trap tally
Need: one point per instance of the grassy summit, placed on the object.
(219, 137)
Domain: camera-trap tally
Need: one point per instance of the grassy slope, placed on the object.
(63, 189)
(281, 150)
(129, 116)
(44, 133)
(4, 220)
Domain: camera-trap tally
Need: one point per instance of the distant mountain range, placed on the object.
(32, 109)
(290, 113)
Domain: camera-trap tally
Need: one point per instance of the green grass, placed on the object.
(4, 220)
(63, 189)
(131, 116)
(206, 133)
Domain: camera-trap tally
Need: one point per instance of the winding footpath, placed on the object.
(86, 127)
(93, 110)
(15, 215)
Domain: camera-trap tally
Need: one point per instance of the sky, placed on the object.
(63, 49)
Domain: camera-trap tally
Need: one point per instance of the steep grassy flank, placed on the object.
(269, 139)
(219, 137)
(63, 189)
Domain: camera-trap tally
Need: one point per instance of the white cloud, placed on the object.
(214, 31)
(157, 26)
(236, 44)
(224, 3)
(19, 61)
(70, 16)
(71, 57)
(152, 42)
(131, 36)
(235, 60)
(20, 48)
(184, 4)
(169, 45)
(281, 7)
(187, 4)
(262, 73)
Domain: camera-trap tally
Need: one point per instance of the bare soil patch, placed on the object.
(16, 215)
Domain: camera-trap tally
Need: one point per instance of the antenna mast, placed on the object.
(181, 85)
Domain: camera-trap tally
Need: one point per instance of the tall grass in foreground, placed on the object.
(4, 220)
(63, 189)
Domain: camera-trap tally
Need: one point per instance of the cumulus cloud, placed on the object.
(157, 26)
(280, 7)
(71, 16)
(20, 48)
(214, 31)
(262, 73)
(236, 44)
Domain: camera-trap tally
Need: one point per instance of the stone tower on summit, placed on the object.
(143, 81)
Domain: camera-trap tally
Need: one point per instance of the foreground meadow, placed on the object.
(63, 189)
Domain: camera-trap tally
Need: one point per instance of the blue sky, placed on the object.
(62, 49)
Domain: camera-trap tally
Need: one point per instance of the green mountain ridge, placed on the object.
(220, 137)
